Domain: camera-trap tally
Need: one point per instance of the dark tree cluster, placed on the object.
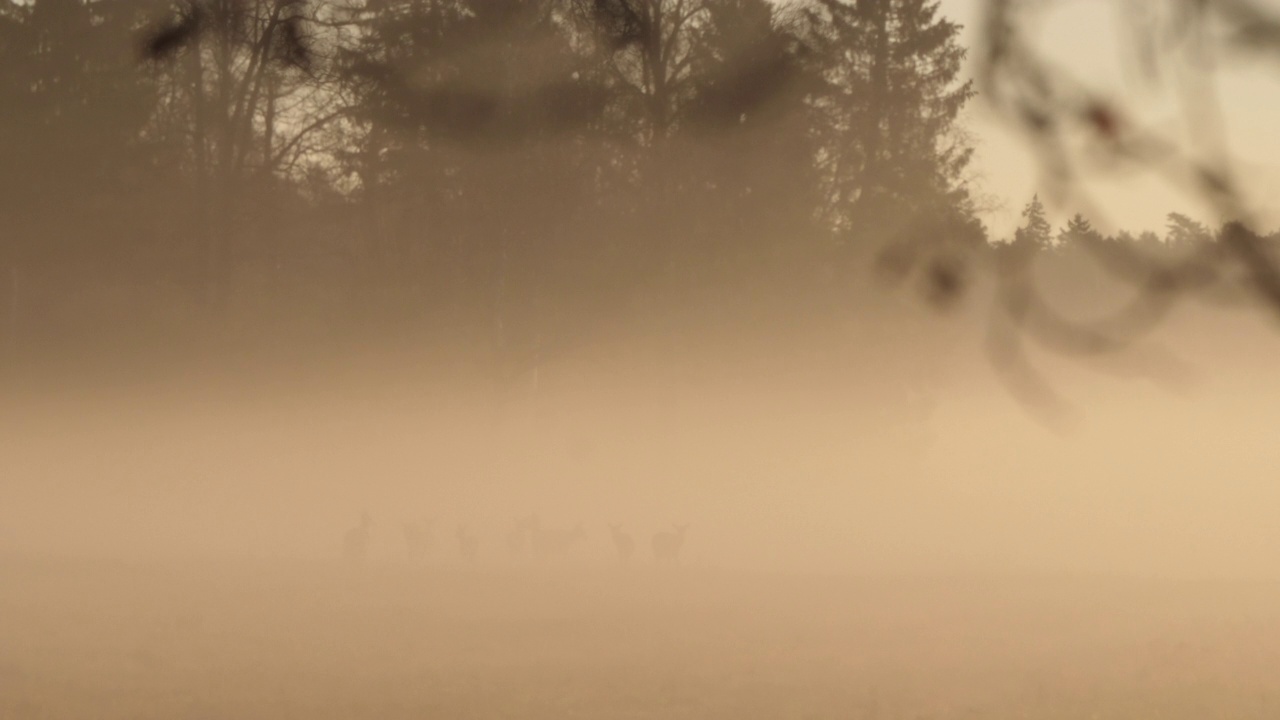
(523, 171)
(519, 177)
(1080, 131)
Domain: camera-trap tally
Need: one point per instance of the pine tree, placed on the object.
(1078, 228)
(1035, 231)
(1183, 231)
(890, 108)
(743, 137)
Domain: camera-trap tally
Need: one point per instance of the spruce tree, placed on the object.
(1078, 228)
(1035, 230)
(1183, 231)
(893, 96)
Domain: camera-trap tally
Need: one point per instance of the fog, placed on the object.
(775, 460)
(175, 547)
(623, 359)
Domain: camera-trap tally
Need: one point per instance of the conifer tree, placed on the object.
(1078, 228)
(891, 144)
(1035, 229)
(1182, 230)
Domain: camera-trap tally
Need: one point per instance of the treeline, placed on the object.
(1181, 234)
(516, 175)
(1092, 273)
(525, 166)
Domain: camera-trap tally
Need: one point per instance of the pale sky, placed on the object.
(1083, 35)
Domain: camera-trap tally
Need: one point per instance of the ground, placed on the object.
(279, 640)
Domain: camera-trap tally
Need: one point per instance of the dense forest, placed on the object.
(515, 181)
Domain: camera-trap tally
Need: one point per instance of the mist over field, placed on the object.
(778, 461)
(175, 548)
(626, 359)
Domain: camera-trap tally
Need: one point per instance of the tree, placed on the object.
(1124, 237)
(1148, 241)
(890, 145)
(245, 99)
(742, 156)
(1078, 229)
(1035, 230)
(74, 107)
(650, 48)
(481, 176)
(1182, 231)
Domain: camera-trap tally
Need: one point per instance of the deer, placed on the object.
(623, 543)
(667, 543)
(468, 544)
(520, 533)
(555, 542)
(418, 538)
(356, 542)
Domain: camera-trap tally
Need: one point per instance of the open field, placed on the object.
(215, 640)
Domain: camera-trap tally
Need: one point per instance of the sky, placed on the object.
(1084, 37)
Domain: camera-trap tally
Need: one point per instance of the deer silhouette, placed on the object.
(547, 542)
(521, 531)
(418, 538)
(468, 543)
(667, 544)
(623, 543)
(356, 542)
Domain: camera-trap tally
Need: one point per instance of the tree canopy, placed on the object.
(519, 176)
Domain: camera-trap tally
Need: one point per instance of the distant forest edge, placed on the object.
(518, 177)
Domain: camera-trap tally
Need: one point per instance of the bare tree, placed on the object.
(246, 92)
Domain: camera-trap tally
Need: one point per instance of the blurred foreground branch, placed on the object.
(631, 92)
(1078, 132)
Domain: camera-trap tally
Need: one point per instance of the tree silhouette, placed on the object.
(1182, 231)
(1078, 229)
(1076, 129)
(891, 145)
(1035, 230)
(527, 174)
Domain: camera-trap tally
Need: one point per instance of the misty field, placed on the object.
(82, 639)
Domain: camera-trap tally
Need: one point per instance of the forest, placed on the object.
(508, 183)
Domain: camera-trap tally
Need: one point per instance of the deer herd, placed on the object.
(524, 537)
